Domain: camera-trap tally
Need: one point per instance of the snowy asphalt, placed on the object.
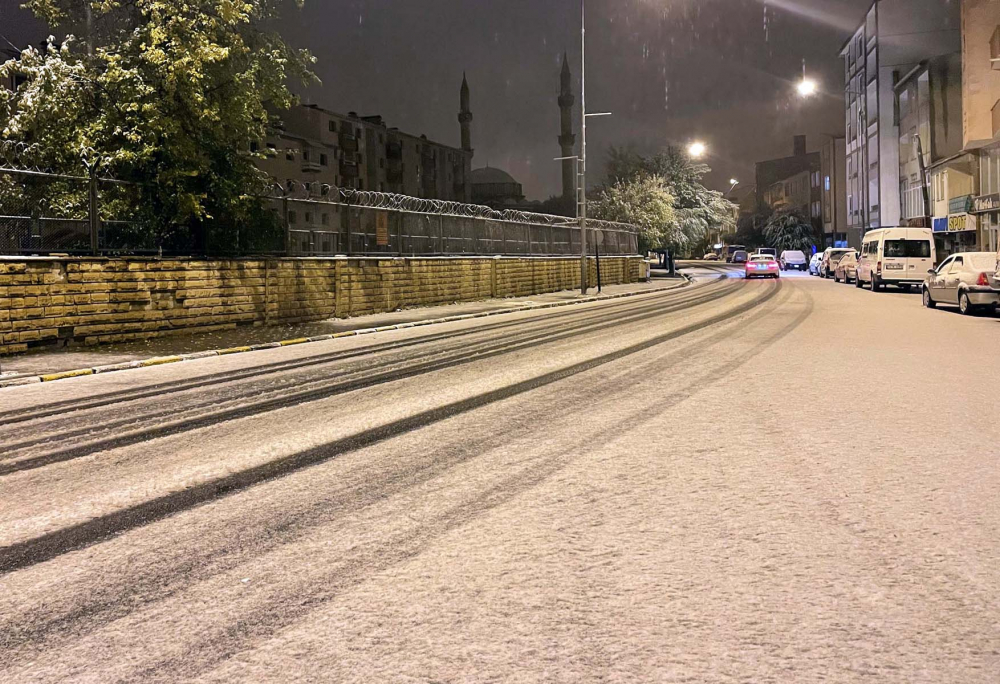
(732, 482)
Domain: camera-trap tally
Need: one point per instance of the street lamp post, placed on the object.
(807, 88)
(583, 146)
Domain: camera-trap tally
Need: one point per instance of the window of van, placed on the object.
(913, 249)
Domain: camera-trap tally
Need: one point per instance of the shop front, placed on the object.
(986, 209)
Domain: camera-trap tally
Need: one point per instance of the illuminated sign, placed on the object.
(961, 223)
(986, 204)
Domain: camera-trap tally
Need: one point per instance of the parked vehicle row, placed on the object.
(905, 258)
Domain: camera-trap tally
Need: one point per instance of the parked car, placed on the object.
(740, 257)
(762, 266)
(711, 256)
(814, 263)
(768, 251)
(967, 279)
(896, 256)
(847, 268)
(831, 257)
(793, 259)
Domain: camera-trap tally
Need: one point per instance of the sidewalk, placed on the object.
(56, 360)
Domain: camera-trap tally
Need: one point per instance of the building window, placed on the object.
(305, 154)
(254, 147)
(381, 163)
(309, 217)
(826, 184)
(293, 218)
(333, 126)
(324, 160)
(325, 219)
(289, 155)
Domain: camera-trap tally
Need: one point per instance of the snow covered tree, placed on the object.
(645, 203)
(169, 94)
(789, 229)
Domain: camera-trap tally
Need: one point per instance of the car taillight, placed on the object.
(983, 281)
(878, 268)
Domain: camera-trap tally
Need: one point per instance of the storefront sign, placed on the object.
(940, 225)
(986, 204)
(961, 223)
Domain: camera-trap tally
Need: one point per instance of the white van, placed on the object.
(896, 256)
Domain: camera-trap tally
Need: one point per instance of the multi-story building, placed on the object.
(833, 161)
(792, 183)
(934, 175)
(894, 38)
(981, 114)
(315, 145)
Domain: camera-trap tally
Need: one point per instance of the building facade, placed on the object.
(881, 51)
(792, 183)
(833, 161)
(981, 114)
(316, 145)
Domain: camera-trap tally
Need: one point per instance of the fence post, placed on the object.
(288, 228)
(95, 216)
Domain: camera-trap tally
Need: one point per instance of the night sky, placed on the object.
(721, 71)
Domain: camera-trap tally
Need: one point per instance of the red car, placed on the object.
(762, 265)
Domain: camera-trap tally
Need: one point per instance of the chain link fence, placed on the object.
(44, 213)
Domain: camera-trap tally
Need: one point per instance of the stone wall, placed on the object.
(46, 301)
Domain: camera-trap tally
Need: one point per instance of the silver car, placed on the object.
(967, 279)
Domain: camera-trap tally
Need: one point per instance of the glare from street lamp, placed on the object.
(697, 150)
(734, 182)
(807, 87)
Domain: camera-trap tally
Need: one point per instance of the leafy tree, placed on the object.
(645, 203)
(789, 229)
(697, 210)
(169, 94)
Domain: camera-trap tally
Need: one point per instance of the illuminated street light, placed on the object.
(807, 87)
(733, 186)
(697, 150)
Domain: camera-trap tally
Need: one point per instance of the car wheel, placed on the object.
(928, 301)
(991, 309)
(964, 305)
(857, 282)
(875, 283)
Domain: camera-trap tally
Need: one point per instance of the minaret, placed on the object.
(567, 141)
(465, 117)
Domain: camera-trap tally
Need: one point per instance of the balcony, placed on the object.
(348, 169)
(311, 166)
(394, 150)
(349, 142)
(995, 49)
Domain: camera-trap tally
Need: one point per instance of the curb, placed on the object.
(21, 380)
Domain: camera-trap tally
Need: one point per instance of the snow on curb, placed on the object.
(21, 380)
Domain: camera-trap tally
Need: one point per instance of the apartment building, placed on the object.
(833, 209)
(316, 145)
(894, 38)
(981, 115)
(792, 183)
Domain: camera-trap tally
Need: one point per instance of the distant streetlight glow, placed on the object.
(734, 184)
(807, 87)
(697, 150)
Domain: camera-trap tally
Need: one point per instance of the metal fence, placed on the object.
(47, 213)
(323, 220)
